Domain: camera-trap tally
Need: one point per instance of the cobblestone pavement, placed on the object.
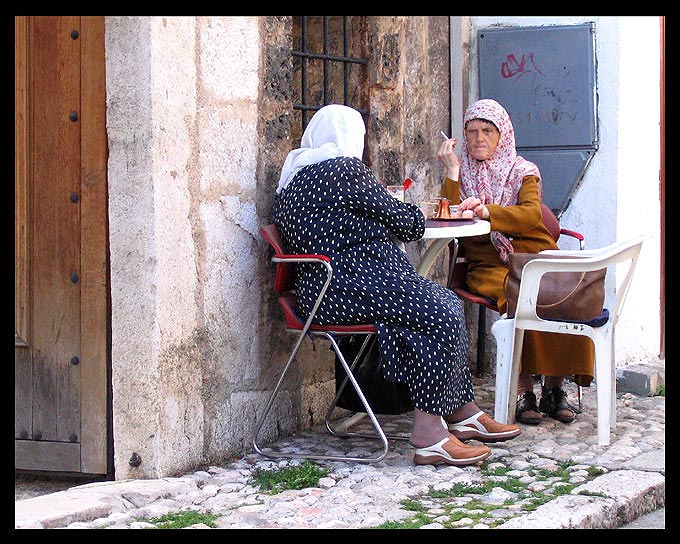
(552, 476)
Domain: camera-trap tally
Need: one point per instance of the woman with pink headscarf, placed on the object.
(502, 187)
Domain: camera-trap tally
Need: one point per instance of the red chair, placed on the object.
(284, 285)
(458, 271)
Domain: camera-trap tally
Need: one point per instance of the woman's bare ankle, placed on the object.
(463, 412)
(524, 384)
(428, 429)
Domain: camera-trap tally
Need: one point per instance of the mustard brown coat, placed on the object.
(547, 354)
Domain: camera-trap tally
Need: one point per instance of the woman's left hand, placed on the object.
(475, 204)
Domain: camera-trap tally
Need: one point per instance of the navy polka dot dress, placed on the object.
(337, 208)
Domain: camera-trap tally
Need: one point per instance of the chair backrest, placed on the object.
(284, 279)
(457, 270)
(582, 261)
(550, 221)
(284, 283)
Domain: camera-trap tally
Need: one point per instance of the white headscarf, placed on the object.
(334, 131)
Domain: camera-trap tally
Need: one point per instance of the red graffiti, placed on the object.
(513, 67)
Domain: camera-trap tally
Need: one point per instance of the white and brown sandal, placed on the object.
(484, 428)
(451, 451)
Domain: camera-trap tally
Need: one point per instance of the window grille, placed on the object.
(330, 66)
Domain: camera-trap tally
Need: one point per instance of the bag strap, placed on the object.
(580, 281)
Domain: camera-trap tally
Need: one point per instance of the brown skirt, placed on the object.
(554, 354)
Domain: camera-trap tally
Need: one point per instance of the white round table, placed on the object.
(444, 232)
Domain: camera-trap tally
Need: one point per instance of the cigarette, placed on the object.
(444, 135)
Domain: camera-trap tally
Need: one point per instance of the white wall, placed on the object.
(619, 195)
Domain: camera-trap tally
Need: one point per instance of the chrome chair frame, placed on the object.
(284, 285)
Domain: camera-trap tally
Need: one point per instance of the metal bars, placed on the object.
(327, 38)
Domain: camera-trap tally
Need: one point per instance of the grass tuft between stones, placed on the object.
(476, 511)
(280, 479)
(185, 518)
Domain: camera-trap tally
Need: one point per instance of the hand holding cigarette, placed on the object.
(448, 158)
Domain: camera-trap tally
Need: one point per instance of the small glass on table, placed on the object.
(397, 191)
(429, 208)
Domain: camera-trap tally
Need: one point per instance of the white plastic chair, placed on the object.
(509, 332)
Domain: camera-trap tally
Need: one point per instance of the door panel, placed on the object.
(61, 314)
(55, 226)
(94, 290)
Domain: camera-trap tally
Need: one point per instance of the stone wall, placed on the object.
(198, 119)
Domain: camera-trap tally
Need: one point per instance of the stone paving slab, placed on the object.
(96, 500)
(611, 485)
(613, 499)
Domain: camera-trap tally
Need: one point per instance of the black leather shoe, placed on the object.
(526, 402)
(555, 405)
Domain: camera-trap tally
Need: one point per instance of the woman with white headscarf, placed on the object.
(330, 203)
(504, 188)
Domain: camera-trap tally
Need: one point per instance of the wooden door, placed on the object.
(61, 267)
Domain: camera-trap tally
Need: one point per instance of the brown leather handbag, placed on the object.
(562, 296)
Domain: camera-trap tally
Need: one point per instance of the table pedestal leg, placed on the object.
(431, 254)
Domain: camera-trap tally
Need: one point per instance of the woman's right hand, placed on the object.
(449, 159)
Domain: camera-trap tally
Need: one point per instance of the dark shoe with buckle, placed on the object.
(555, 405)
(527, 411)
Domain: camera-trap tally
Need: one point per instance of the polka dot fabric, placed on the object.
(337, 208)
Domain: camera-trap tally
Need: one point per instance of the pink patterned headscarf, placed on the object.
(498, 179)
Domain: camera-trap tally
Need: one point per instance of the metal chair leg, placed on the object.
(376, 425)
(341, 429)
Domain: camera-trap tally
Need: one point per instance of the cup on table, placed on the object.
(454, 211)
(397, 191)
(429, 208)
